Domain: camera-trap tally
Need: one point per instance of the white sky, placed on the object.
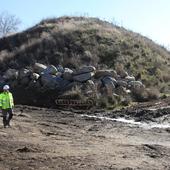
(147, 17)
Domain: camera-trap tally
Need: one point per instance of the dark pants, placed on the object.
(7, 116)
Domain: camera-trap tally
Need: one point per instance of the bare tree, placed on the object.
(8, 23)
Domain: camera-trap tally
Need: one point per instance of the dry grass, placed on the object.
(67, 40)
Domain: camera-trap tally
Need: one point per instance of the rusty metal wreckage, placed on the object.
(75, 102)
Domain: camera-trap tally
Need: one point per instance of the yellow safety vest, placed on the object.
(0, 100)
(6, 100)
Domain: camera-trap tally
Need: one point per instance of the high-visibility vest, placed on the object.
(6, 100)
(0, 100)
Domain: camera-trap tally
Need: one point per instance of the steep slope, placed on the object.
(75, 41)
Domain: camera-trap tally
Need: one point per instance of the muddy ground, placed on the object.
(51, 139)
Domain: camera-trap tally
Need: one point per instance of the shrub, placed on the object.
(102, 102)
(152, 93)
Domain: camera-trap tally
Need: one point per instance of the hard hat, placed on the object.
(6, 87)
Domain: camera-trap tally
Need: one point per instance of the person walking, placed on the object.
(6, 105)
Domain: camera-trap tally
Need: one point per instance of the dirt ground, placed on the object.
(51, 139)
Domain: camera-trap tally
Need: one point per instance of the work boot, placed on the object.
(9, 125)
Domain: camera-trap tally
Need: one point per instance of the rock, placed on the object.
(123, 74)
(51, 69)
(137, 88)
(60, 69)
(24, 73)
(62, 84)
(48, 81)
(68, 74)
(121, 91)
(110, 84)
(128, 91)
(109, 79)
(83, 77)
(38, 68)
(53, 82)
(122, 83)
(34, 76)
(102, 73)
(11, 74)
(85, 69)
(129, 78)
(135, 84)
(115, 95)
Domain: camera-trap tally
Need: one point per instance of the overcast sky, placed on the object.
(147, 17)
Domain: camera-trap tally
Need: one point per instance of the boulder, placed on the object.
(103, 73)
(123, 74)
(34, 76)
(122, 83)
(53, 82)
(38, 68)
(51, 69)
(121, 91)
(62, 84)
(108, 79)
(109, 83)
(68, 74)
(83, 77)
(129, 78)
(11, 74)
(24, 73)
(48, 81)
(60, 69)
(135, 85)
(85, 69)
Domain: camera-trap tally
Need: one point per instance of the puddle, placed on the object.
(131, 122)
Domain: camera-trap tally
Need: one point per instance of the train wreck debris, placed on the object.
(86, 81)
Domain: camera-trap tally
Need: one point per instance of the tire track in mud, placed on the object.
(53, 139)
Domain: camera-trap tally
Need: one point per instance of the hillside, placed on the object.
(76, 41)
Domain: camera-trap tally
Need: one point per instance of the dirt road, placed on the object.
(47, 139)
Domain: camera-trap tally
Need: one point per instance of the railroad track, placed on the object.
(75, 103)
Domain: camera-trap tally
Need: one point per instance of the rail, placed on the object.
(75, 102)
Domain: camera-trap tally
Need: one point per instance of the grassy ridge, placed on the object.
(75, 41)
